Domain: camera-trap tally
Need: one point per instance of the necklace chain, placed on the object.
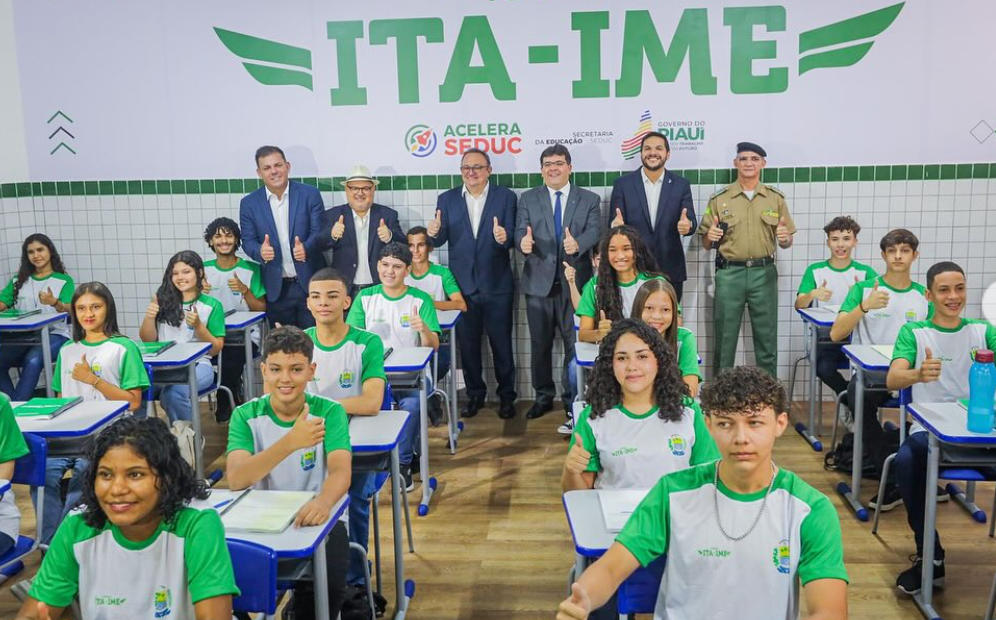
(757, 519)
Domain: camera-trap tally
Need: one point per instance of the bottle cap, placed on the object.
(984, 356)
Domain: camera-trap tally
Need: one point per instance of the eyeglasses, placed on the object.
(474, 169)
(552, 164)
(360, 190)
(753, 158)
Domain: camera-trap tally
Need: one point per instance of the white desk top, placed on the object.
(584, 515)
(82, 419)
(865, 356)
(818, 316)
(408, 359)
(370, 434)
(179, 355)
(35, 321)
(586, 353)
(293, 542)
(948, 422)
(242, 320)
(448, 318)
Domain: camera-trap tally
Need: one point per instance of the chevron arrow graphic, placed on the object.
(63, 130)
(63, 145)
(58, 113)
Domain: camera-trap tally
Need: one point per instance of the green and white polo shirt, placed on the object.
(390, 317)
(342, 369)
(212, 315)
(882, 326)
(61, 286)
(218, 278)
(954, 347)
(710, 576)
(630, 451)
(12, 446)
(161, 577)
(839, 281)
(588, 304)
(254, 428)
(116, 360)
(688, 354)
(438, 283)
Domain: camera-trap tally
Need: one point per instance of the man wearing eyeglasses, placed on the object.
(555, 223)
(477, 219)
(744, 222)
(359, 229)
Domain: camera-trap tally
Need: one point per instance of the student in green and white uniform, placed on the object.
(289, 440)
(608, 297)
(12, 447)
(740, 534)
(655, 304)
(181, 312)
(872, 313)
(826, 283)
(137, 550)
(41, 284)
(238, 285)
(98, 364)
(934, 357)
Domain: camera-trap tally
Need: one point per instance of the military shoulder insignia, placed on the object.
(776, 190)
(718, 192)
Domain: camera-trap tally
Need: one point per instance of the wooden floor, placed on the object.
(496, 545)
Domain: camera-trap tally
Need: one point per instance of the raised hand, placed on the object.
(715, 232)
(570, 273)
(434, 225)
(206, 286)
(415, 320)
(266, 251)
(578, 458)
(153, 310)
(876, 300)
(300, 255)
(46, 297)
(526, 245)
(192, 318)
(237, 285)
(571, 246)
(307, 431)
(383, 232)
(604, 325)
(782, 232)
(500, 235)
(618, 219)
(684, 224)
(822, 293)
(339, 228)
(930, 367)
(575, 607)
(83, 373)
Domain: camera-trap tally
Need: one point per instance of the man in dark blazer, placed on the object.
(555, 223)
(281, 229)
(359, 229)
(663, 222)
(477, 219)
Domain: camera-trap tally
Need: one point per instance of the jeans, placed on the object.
(443, 364)
(876, 446)
(911, 478)
(828, 359)
(361, 490)
(572, 378)
(55, 509)
(408, 400)
(176, 398)
(31, 362)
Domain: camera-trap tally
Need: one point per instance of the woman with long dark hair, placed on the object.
(656, 303)
(41, 284)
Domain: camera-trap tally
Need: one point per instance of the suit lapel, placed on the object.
(372, 225)
(641, 193)
(666, 185)
(268, 214)
(572, 202)
(547, 208)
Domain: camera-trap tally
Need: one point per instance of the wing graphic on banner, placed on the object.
(849, 31)
(279, 55)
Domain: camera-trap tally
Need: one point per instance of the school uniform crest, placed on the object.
(781, 556)
(406, 320)
(95, 368)
(346, 379)
(676, 444)
(162, 601)
(308, 459)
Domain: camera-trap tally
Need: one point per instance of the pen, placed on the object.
(223, 504)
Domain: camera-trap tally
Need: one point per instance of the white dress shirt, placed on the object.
(653, 190)
(565, 191)
(475, 206)
(362, 226)
(281, 217)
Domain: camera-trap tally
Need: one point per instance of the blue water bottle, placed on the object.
(981, 392)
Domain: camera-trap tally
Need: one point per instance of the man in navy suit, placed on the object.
(477, 220)
(359, 229)
(658, 204)
(281, 229)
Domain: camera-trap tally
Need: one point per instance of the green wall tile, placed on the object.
(222, 186)
(235, 186)
(77, 188)
(148, 187)
(207, 186)
(520, 180)
(915, 172)
(851, 173)
(414, 182)
(429, 181)
(312, 181)
(445, 181)
(786, 175)
(866, 173)
(883, 173)
(9, 190)
(134, 187)
(769, 175)
(964, 171)
(610, 178)
(399, 182)
(581, 178)
(818, 175)
(24, 190)
(324, 184)
(949, 172)
(992, 171)
(177, 187)
(692, 176)
(36, 189)
(724, 176)
(931, 172)
(707, 176)
(980, 171)
(62, 188)
(535, 179)
(598, 179)
(386, 184)
(802, 175)
(835, 174)
(899, 173)
(48, 188)
(91, 188)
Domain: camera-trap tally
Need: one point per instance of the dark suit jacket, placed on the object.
(256, 221)
(344, 258)
(581, 215)
(480, 264)
(629, 196)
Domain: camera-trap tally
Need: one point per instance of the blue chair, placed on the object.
(29, 470)
(255, 575)
(638, 594)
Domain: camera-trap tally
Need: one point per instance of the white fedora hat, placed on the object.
(360, 173)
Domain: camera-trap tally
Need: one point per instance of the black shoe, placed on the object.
(538, 410)
(223, 412)
(406, 476)
(472, 407)
(435, 410)
(891, 499)
(910, 580)
(506, 411)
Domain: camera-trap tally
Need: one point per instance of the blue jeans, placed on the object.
(408, 400)
(572, 378)
(444, 360)
(361, 490)
(31, 362)
(176, 398)
(55, 509)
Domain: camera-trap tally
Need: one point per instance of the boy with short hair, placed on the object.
(289, 440)
(438, 282)
(872, 313)
(403, 317)
(732, 528)
(238, 284)
(934, 357)
(835, 277)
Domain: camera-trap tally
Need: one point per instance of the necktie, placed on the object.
(557, 217)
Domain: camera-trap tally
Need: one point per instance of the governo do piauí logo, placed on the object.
(477, 53)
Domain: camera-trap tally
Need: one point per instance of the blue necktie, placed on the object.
(557, 217)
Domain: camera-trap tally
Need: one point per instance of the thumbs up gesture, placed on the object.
(83, 373)
(307, 431)
(618, 219)
(684, 224)
(237, 285)
(415, 320)
(46, 297)
(930, 367)
(192, 318)
(153, 310)
(822, 293)
(526, 245)
(782, 232)
(435, 224)
(339, 228)
(571, 246)
(570, 273)
(499, 232)
(299, 253)
(604, 325)
(715, 232)
(383, 232)
(876, 300)
(266, 251)
(578, 457)
(575, 607)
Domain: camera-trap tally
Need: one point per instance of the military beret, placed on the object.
(753, 148)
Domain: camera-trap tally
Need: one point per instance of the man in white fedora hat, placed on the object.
(359, 229)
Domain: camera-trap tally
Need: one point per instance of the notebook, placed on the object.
(45, 408)
(153, 349)
(265, 512)
(884, 350)
(618, 504)
(15, 314)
